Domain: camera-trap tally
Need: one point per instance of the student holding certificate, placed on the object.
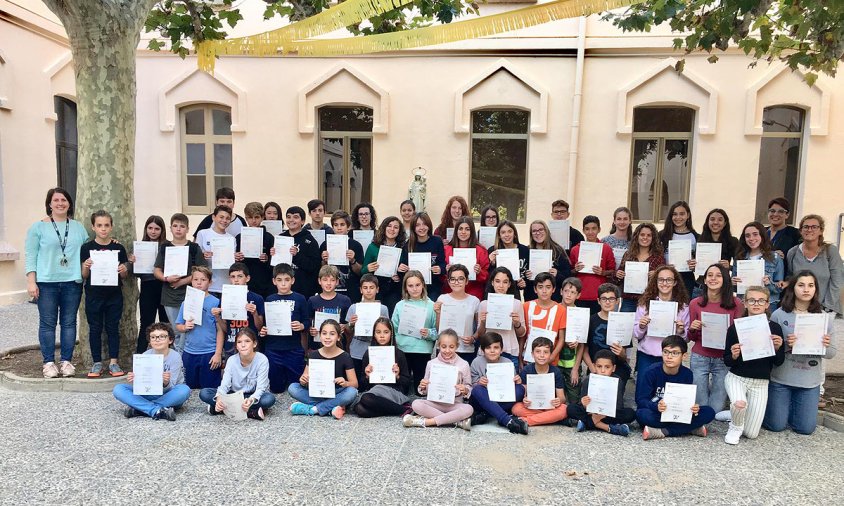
(465, 237)
(498, 289)
(285, 351)
(435, 414)
(203, 353)
(507, 237)
(601, 267)
(388, 234)
(754, 245)
(540, 238)
(599, 339)
(678, 227)
(708, 332)
(149, 298)
(664, 285)
(421, 241)
(344, 381)
(305, 252)
(644, 248)
(379, 398)
(494, 379)
(216, 239)
(588, 419)
(466, 307)
(272, 213)
(542, 407)
(747, 381)
(716, 229)
(174, 391)
(351, 261)
(795, 387)
(415, 323)
(261, 272)
(362, 316)
(544, 318)
(239, 276)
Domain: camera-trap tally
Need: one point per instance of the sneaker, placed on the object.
(413, 421)
(213, 411)
(517, 426)
(255, 412)
(649, 433)
(338, 412)
(733, 435)
(49, 370)
(67, 369)
(479, 418)
(700, 432)
(465, 424)
(580, 426)
(165, 414)
(619, 429)
(724, 416)
(115, 370)
(300, 408)
(130, 412)
(96, 370)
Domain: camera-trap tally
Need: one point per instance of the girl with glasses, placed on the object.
(664, 285)
(457, 276)
(782, 235)
(540, 238)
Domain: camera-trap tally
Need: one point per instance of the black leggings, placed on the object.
(149, 302)
(371, 405)
(417, 363)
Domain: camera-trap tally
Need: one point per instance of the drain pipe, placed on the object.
(575, 112)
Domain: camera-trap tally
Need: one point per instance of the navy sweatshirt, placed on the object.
(650, 386)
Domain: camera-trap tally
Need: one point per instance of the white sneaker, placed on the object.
(413, 421)
(67, 369)
(50, 370)
(733, 435)
(724, 416)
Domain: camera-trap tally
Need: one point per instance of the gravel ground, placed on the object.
(20, 325)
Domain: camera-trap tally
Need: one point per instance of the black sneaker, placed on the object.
(479, 418)
(212, 411)
(517, 426)
(255, 412)
(130, 412)
(165, 414)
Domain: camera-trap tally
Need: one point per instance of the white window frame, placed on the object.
(208, 139)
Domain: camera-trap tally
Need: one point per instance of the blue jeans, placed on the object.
(709, 374)
(793, 407)
(512, 358)
(58, 303)
(150, 404)
(207, 395)
(652, 418)
(644, 361)
(499, 410)
(343, 396)
(104, 313)
(628, 305)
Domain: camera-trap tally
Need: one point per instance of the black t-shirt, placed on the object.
(342, 363)
(260, 273)
(102, 292)
(348, 283)
(306, 263)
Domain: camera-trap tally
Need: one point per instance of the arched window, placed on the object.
(779, 158)
(660, 169)
(345, 156)
(206, 155)
(67, 144)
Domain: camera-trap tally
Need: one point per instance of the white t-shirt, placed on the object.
(220, 276)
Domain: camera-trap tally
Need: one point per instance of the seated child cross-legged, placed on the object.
(491, 346)
(160, 337)
(605, 363)
(541, 350)
(345, 380)
(650, 390)
(247, 371)
(384, 399)
(432, 413)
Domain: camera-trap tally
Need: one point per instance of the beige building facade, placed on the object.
(573, 109)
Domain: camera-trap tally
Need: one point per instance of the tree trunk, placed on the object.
(103, 38)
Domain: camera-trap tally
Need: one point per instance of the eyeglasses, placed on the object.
(608, 299)
(755, 302)
(777, 211)
(665, 281)
(456, 280)
(811, 227)
(672, 354)
(159, 337)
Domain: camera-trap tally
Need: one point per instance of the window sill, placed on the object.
(8, 253)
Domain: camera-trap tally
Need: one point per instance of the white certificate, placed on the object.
(282, 247)
(449, 233)
(486, 236)
(318, 235)
(501, 387)
(754, 335)
(456, 318)
(620, 328)
(539, 261)
(337, 245)
(149, 374)
(706, 254)
(321, 378)
(679, 399)
(223, 249)
(367, 313)
(679, 254)
(663, 315)
(603, 395)
(145, 253)
(412, 320)
(274, 227)
(388, 261)
(104, 268)
(618, 254)
(560, 232)
(540, 390)
(278, 316)
(577, 324)
(590, 255)
(176, 261)
(193, 304)
(509, 259)
(364, 237)
(233, 405)
(533, 334)
(234, 302)
(382, 359)
(809, 329)
(467, 257)
(252, 241)
(420, 262)
(635, 276)
(319, 318)
(443, 383)
(714, 330)
(498, 309)
(751, 273)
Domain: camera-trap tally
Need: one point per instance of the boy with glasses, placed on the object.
(608, 297)
(560, 211)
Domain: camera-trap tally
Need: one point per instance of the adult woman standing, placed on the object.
(54, 278)
(821, 259)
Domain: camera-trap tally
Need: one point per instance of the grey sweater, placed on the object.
(173, 365)
(253, 378)
(827, 268)
(802, 371)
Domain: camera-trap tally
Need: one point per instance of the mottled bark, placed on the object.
(103, 36)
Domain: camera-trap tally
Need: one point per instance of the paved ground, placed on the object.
(61, 448)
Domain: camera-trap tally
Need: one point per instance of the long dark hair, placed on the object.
(668, 229)
(373, 219)
(381, 232)
(789, 298)
(473, 238)
(633, 250)
(277, 208)
(483, 215)
(514, 290)
(727, 299)
(62, 191)
(384, 321)
(764, 246)
(726, 238)
(414, 239)
(158, 220)
(629, 214)
(505, 223)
